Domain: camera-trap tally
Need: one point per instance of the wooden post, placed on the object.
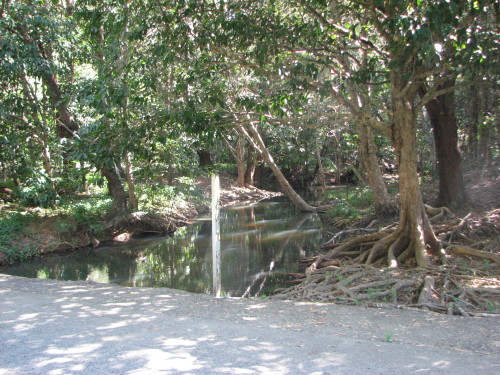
(216, 255)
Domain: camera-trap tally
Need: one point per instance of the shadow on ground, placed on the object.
(49, 327)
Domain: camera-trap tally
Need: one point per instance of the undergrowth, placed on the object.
(350, 202)
(12, 227)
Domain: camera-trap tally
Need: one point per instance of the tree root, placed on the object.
(437, 213)
(448, 289)
(466, 250)
(141, 222)
(343, 234)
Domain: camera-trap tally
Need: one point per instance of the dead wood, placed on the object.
(142, 222)
(427, 291)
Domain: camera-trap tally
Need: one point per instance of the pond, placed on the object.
(260, 245)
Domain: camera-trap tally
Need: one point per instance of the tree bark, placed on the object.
(371, 170)
(119, 210)
(205, 158)
(414, 235)
(132, 198)
(441, 112)
(240, 161)
(257, 142)
(251, 165)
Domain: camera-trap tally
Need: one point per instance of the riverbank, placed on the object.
(35, 231)
(86, 328)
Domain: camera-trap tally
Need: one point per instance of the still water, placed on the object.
(260, 244)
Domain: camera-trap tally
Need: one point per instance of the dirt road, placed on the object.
(53, 327)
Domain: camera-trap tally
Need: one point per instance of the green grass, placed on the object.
(351, 202)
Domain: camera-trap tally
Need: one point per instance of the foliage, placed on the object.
(350, 202)
(154, 83)
(11, 228)
(158, 196)
(38, 191)
(85, 216)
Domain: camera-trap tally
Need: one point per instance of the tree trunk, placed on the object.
(240, 161)
(66, 125)
(337, 161)
(47, 161)
(119, 210)
(414, 236)
(251, 165)
(132, 198)
(256, 141)
(371, 170)
(441, 112)
(205, 158)
(83, 175)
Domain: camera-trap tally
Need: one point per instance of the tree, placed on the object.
(399, 42)
(441, 110)
(33, 58)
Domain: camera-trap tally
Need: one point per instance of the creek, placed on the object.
(260, 245)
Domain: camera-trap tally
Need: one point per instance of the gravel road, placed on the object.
(55, 327)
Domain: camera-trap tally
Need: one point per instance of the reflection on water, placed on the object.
(260, 243)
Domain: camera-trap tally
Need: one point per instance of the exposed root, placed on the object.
(343, 234)
(445, 289)
(438, 213)
(353, 273)
(142, 222)
(466, 250)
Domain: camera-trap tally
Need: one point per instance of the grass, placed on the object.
(388, 337)
(351, 202)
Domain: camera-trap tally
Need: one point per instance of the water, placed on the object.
(260, 245)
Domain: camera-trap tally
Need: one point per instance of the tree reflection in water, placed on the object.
(260, 244)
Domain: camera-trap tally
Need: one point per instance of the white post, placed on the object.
(216, 255)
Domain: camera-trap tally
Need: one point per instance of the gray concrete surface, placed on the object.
(52, 327)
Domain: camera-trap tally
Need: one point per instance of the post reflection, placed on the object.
(260, 244)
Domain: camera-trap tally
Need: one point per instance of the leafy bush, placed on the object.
(157, 195)
(38, 191)
(351, 202)
(11, 228)
(85, 216)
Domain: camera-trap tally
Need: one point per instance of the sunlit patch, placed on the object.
(79, 349)
(249, 318)
(156, 361)
(27, 316)
(253, 307)
(441, 364)
(123, 323)
(175, 342)
(71, 306)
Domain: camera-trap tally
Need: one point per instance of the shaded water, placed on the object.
(260, 243)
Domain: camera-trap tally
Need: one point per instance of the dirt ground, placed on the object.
(54, 327)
